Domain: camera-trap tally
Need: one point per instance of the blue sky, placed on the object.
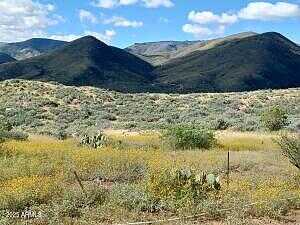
(124, 22)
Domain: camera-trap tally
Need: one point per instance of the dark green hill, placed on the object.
(258, 62)
(30, 48)
(84, 62)
(4, 58)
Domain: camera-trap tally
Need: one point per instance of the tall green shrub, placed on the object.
(187, 137)
(274, 118)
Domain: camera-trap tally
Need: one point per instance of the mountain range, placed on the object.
(30, 48)
(241, 62)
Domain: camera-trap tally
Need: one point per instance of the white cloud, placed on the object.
(128, 2)
(123, 22)
(23, 19)
(158, 3)
(269, 11)
(207, 23)
(207, 17)
(106, 36)
(85, 15)
(116, 21)
(109, 4)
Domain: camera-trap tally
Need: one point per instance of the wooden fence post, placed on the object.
(228, 167)
(79, 182)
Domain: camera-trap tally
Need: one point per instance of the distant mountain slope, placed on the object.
(83, 62)
(30, 48)
(257, 62)
(158, 53)
(4, 58)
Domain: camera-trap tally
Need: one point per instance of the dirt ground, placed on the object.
(292, 219)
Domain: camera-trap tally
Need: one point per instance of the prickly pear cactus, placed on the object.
(95, 141)
(213, 181)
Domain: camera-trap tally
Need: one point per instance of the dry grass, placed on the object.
(247, 141)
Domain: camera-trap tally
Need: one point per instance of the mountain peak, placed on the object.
(83, 62)
(88, 40)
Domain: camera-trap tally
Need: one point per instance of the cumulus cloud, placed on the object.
(207, 17)
(107, 36)
(23, 19)
(123, 22)
(109, 4)
(269, 11)
(85, 15)
(207, 23)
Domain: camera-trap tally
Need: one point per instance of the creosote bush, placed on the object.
(274, 118)
(190, 137)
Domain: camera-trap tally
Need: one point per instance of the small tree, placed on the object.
(274, 118)
(290, 146)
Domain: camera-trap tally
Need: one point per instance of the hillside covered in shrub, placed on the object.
(44, 108)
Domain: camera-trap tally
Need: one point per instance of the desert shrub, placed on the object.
(187, 137)
(131, 197)
(274, 118)
(5, 125)
(220, 124)
(7, 133)
(16, 135)
(74, 199)
(290, 146)
(248, 124)
(61, 135)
